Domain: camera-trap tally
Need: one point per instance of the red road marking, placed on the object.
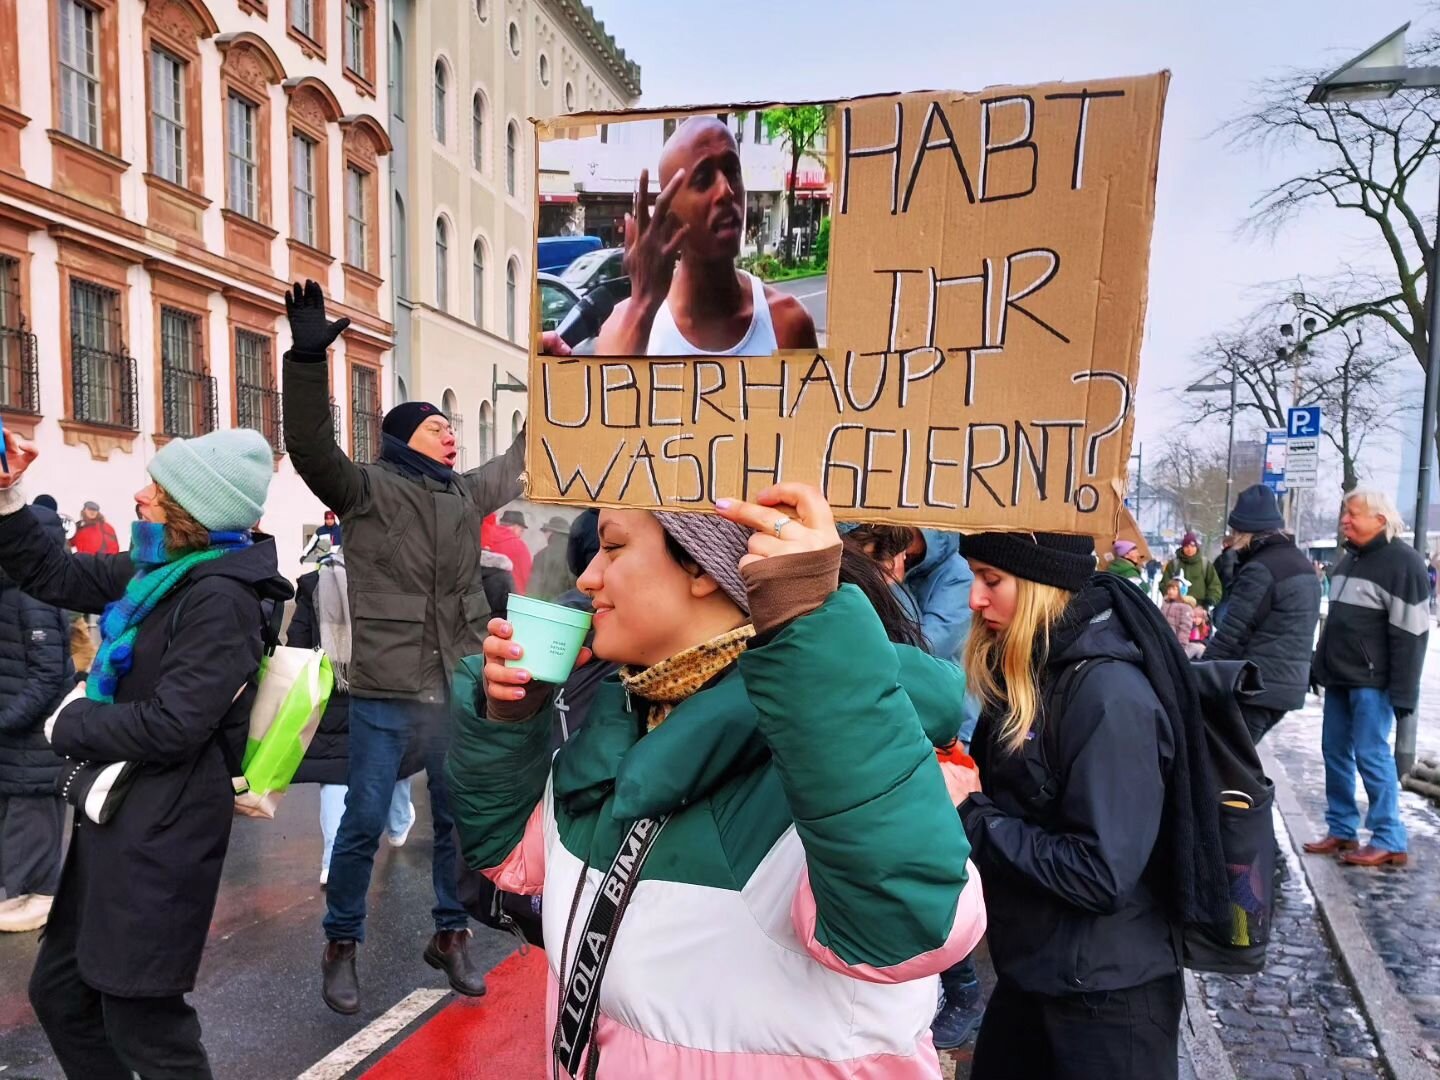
(499, 1035)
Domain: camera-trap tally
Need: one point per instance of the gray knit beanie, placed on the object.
(716, 544)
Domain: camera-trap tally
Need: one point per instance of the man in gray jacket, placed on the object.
(417, 605)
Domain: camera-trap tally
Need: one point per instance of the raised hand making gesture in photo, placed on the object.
(652, 247)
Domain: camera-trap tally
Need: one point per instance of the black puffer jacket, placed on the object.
(143, 885)
(35, 675)
(1065, 832)
(1378, 622)
(1270, 614)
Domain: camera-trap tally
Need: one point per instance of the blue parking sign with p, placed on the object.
(1303, 423)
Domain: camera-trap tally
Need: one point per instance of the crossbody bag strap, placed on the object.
(580, 991)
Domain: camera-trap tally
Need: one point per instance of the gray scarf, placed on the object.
(332, 605)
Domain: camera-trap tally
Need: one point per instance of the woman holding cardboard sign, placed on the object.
(747, 846)
(1094, 827)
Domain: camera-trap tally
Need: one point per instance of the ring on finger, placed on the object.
(778, 524)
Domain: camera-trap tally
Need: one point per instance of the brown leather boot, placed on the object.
(1370, 855)
(449, 951)
(340, 986)
(1331, 845)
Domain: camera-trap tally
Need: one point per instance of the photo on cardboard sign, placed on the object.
(968, 358)
(728, 232)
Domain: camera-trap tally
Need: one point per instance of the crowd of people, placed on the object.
(816, 763)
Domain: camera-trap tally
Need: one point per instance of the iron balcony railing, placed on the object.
(19, 370)
(258, 407)
(191, 402)
(365, 430)
(104, 386)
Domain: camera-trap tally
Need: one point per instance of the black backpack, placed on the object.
(1244, 802)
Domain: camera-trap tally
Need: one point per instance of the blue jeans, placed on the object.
(332, 809)
(1357, 733)
(379, 733)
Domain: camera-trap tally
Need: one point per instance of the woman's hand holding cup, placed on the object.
(502, 682)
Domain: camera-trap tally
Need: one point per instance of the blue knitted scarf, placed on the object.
(157, 573)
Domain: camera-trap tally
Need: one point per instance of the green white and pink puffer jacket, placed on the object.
(812, 879)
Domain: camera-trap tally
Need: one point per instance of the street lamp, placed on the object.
(512, 384)
(1208, 388)
(1294, 351)
(1376, 74)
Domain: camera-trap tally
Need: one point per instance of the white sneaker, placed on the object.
(324, 875)
(29, 915)
(399, 841)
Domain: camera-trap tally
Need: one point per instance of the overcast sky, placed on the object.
(1203, 275)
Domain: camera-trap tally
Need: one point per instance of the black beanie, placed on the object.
(1256, 511)
(47, 501)
(403, 419)
(1066, 562)
(584, 541)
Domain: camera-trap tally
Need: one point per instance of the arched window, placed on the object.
(477, 130)
(513, 36)
(569, 97)
(442, 90)
(487, 431)
(512, 276)
(517, 421)
(442, 264)
(477, 266)
(402, 392)
(397, 72)
(399, 252)
(512, 154)
(544, 70)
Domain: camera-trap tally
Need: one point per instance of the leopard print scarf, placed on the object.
(671, 681)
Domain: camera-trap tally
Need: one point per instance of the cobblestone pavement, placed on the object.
(1399, 909)
(1298, 1019)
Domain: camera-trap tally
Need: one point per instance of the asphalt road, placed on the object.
(812, 292)
(259, 989)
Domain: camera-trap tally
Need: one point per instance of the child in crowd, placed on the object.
(1199, 632)
(1179, 614)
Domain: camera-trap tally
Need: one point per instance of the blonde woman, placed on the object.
(1091, 829)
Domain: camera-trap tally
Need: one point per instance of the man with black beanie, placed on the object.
(417, 605)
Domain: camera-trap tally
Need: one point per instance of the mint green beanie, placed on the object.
(220, 479)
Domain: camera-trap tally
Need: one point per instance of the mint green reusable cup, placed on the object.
(549, 634)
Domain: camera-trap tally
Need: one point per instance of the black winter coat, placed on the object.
(35, 675)
(1378, 622)
(327, 760)
(149, 877)
(1065, 831)
(1270, 614)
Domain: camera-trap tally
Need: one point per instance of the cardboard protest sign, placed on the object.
(973, 362)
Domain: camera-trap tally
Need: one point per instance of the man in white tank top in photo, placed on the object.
(687, 297)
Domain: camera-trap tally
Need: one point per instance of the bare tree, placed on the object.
(1190, 471)
(1333, 366)
(1364, 158)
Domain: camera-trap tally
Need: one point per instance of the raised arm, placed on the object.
(309, 434)
(497, 482)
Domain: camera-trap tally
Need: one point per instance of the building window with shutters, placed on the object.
(19, 357)
(442, 264)
(167, 116)
(80, 71)
(357, 217)
(357, 31)
(243, 190)
(257, 401)
(512, 277)
(302, 189)
(365, 414)
(102, 375)
(187, 388)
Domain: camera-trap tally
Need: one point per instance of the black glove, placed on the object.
(310, 332)
(1402, 715)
